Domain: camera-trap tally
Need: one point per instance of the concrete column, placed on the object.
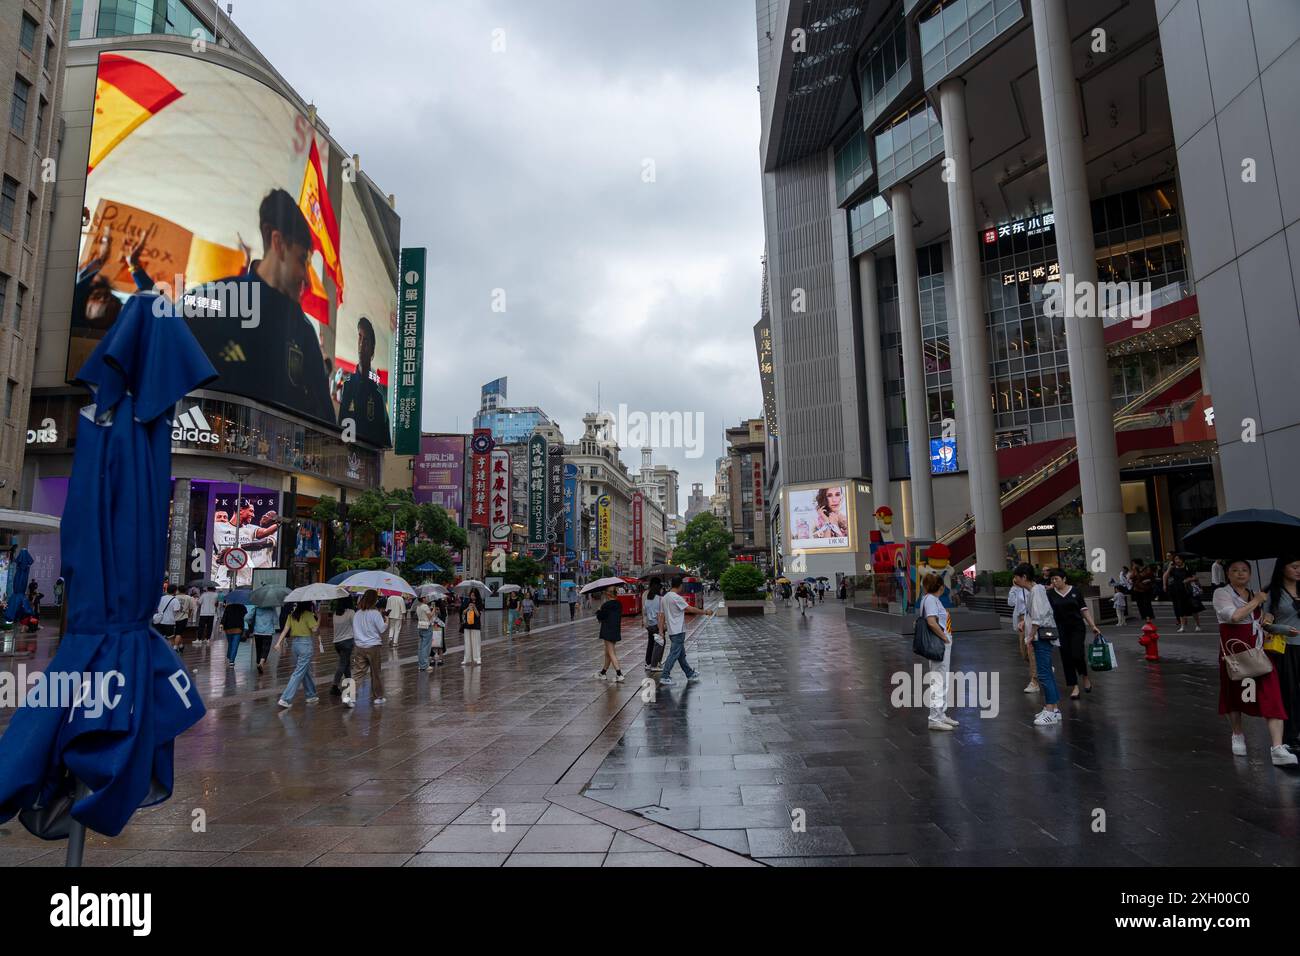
(1103, 506)
(909, 320)
(975, 408)
(876, 419)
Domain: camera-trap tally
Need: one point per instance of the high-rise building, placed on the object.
(33, 47)
(166, 192)
(746, 488)
(965, 202)
(697, 501)
(662, 479)
(508, 425)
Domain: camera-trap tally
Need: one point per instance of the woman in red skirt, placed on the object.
(1238, 611)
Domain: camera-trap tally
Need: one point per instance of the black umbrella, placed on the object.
(1247, 533)
(663, 571)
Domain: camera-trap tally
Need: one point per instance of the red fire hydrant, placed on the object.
(1150, 639)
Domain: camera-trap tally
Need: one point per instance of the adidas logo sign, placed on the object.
(191, 426)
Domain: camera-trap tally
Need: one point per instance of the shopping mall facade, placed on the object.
(929, 170)
(188, 134)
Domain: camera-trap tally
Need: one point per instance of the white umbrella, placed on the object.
(602, 584)
(509, 589)
(474, 584)
(379, 580)
(434, 590)
(316, 592)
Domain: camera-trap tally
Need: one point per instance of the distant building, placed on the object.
(746, 490)
(697, 502)
(664, 481)
(509, 425)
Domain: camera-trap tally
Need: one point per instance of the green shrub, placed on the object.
(741, 582)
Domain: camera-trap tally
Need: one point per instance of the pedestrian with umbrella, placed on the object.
(344, 643)
(69, 768)
(302, 627)
(1248, 674)
(1282, 621)
(263, 620)
(234, 620)
(471, 628)
(368, 632)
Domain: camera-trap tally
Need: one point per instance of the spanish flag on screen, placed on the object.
(127, 92)
(314, 201)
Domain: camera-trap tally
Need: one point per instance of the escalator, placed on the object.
(1141, 426)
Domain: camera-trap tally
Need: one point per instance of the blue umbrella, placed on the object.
(340, 578)
(427, 566)
(71, 766)
(239, 596)
(18, 581)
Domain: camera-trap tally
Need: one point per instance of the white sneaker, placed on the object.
(1283, 757)
(284, 703)
(618, 678)
(1181, 628)
(1238, 745)
(951, 720)
(348, 701)
(1032, 688)
(378, 700)
(939, 725)
(1198, 628)
(1046, 718)
(313, 700)
(465, 663)
(600, 675)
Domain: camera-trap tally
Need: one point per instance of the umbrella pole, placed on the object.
(77, 834)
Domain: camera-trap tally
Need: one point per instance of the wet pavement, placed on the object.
(787, 751)
(791, 750)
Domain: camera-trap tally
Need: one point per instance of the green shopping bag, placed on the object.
(1101, 654)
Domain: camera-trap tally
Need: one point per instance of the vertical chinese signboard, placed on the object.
(481, 444)
(766, 373)
(499, 497)
(555, 500)
(409, 348)
(758, 490)
(537, 493)
(638, 503)
(570, 512)
(604, 528)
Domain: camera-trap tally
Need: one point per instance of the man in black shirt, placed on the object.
(274, 354)
(363, 402)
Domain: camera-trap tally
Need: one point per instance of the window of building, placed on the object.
(27, 35)
(8, 204)
(40, 122)
(74, 21)
(29, 223)
(49, 55)
(19, 300)
(18, 106)
(11, 389)
(135, 17)
(4, 295)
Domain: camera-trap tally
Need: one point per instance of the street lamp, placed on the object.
(393, 507)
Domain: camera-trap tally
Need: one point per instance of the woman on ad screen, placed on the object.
(831, 520)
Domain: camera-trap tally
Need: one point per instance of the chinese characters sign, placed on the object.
(570, 496)
(499, 496)
(638, 500)
(763, 344)
(409, 350)
(482, 447)
(555, 499)
(1040, 273)
(537, 492)
(1033, 226)
(604, 522)
(439, 473)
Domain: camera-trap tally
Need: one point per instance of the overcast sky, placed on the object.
(524, 170)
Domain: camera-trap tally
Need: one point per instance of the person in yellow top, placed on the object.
(301, 627)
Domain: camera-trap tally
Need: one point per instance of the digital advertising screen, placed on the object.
(209, 188)
(943, 456)
(439, 473)
(819, 518)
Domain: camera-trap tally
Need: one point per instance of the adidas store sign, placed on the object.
(191, 426)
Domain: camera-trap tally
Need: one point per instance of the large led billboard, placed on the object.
(819, 518)
(208, 187)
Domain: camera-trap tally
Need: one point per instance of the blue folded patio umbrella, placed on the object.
(427, 566)
(76, 763)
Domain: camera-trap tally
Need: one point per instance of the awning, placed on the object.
(27, 522)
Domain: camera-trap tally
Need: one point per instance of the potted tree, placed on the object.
(742, 590)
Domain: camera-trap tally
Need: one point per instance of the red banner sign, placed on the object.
(637, 543)
(482, 448)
